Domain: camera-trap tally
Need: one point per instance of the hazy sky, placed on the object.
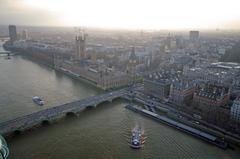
(154, 14)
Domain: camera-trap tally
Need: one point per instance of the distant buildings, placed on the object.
(211, 96)
(132, 62)
(80, 46)
(157, 84)
(193, 36)
(98, 71)
(158, 88)
(184, 72)
(25, 35)
(113, 80)
(211, 102)
(102, 76)
(168, 41)
(222, 73)
(12, 33)
(181, 61)
(181, 92)
(235, 110)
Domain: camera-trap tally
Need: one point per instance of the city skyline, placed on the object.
(151, 14)
(188, 82)
(105, 78)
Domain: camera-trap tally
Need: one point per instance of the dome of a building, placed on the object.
(3, 148)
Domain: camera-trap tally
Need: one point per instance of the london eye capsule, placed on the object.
(4, 152)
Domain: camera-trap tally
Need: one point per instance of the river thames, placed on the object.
(99, 133)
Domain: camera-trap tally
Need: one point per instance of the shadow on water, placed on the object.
(17, 132)
(45, 123)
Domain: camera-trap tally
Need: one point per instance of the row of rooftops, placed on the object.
(225, 65)
(27, 44)
(237, 99)
(208, 75)
(95, 69)
(207, 90)
(160, 75)
(212, 91)
(214, 74)
(176, 82)
(185, 59)
(168, 77)
(182, 84)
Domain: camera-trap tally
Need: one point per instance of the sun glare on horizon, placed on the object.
(150, 14)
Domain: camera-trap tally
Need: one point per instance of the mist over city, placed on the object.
(149, 79)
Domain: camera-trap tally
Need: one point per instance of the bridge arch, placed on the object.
(71, 114)
(17, 132)
(90, 106)
(114, 99)
(104, 102)
(45, 122)
(107, 101)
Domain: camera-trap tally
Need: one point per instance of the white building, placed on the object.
(235, 110)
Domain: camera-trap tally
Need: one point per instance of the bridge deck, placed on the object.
(30, 120)
(5, 52)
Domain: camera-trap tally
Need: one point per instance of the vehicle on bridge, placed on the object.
(38, 101)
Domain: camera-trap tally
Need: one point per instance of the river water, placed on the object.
(99, 133)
